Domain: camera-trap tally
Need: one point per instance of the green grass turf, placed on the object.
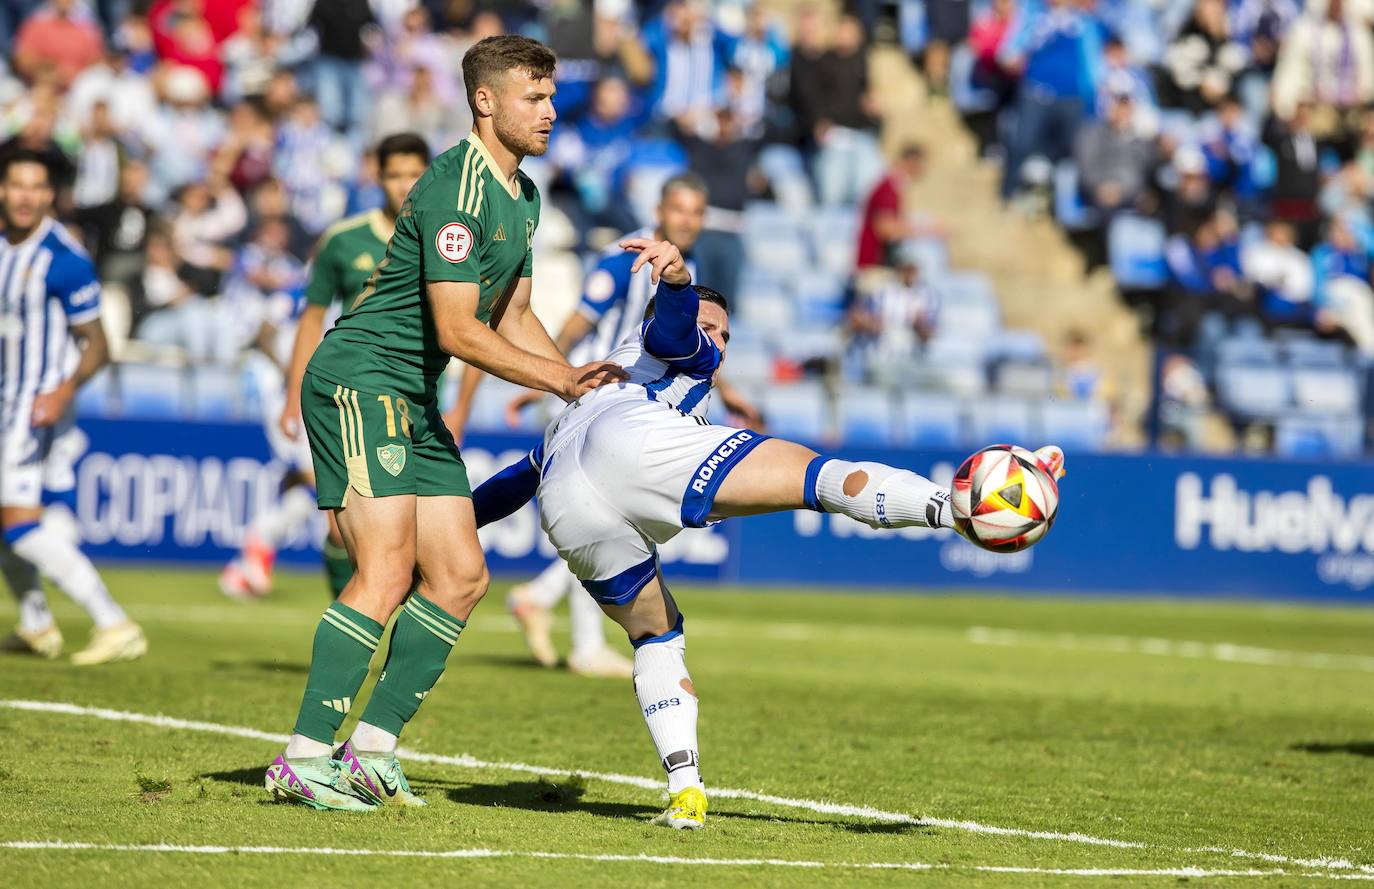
(883, 701)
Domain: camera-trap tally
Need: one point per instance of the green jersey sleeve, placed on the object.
(448, 243)
(325, 279)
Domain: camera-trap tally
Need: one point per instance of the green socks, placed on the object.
(344, 643)
(337, 567)
(423, 636)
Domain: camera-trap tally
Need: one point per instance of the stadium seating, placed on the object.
(1000, 419)
(797, 411)
(1076, 425)
(1135, 251)
(867, 416)
(931, 421)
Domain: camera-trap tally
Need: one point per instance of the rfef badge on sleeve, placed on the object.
(454, 242)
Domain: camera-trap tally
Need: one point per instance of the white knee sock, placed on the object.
(24, 583)
(70, 571)
(882, 496)
(294, 510)
(669, 705)
(549, 587)
(588, 625)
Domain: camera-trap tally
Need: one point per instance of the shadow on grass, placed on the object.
(518, 661)
(1355, 748)
(252, 776)
(546, 796)
(263, 666)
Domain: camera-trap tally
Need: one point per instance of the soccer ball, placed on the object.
(1003, 501)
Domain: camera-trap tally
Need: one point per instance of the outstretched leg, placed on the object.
(781, 475)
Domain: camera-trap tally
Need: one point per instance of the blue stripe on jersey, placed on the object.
(694, 396)
(700, 495)
(654, 389)
(7, 262)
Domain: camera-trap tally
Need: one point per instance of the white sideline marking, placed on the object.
(64, 846)
(466, 761)
(1210, 651)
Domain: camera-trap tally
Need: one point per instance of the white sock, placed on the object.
(301, 747)
(588, 623)
(370, 739)
(551, 585)
(71, 572)
(669, 705)
(291, 512)
(24, 583)
(883, 496)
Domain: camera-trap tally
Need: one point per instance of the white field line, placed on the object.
(1208, 651)
(827, 808)
(675, 860)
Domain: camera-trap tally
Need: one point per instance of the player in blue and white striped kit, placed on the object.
(629, 466)
(51, 342)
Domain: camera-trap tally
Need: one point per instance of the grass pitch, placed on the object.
(971, 740)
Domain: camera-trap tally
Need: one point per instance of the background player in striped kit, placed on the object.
(347, 254)
(49, 296)
(612, 307)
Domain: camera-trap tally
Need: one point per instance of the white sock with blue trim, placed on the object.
(24, 583)
(70, 571)
(876, 494)
(669, 704)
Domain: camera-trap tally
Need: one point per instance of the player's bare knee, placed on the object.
(458, 592)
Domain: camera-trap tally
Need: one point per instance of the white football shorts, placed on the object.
(619, 482)
(25, 455)
(271, 386)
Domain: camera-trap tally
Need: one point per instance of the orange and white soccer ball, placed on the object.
(1003, 499)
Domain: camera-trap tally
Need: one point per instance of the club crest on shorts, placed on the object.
(392, 457)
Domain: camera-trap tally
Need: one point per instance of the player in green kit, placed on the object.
(344, 260)
(455, 281)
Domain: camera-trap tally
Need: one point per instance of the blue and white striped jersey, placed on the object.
(47, 285)
(614, 300)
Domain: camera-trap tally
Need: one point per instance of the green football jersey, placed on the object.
(348, 252)
(461, 222)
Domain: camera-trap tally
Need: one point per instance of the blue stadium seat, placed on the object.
(1018, 345)
(964, 288)
(151, 391)
(781, 253)
(931, 255)
(820, 299)
(799, 410)
(956, 365)
(1331, 390)
(769, 219)
(867, 416)
(932, 421)
(1319, 438)
(748, 363)
(1074, 425)
(1312, 352)
(769, 310)
(1246, 350)
(1000, 419)
(1135, 252)
(968, 320)
(214, 392)
(1069, 207)
(1254, 392)
(1026, 379)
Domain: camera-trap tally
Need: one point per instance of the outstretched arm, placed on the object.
(507, 491)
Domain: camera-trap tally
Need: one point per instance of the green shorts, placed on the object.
(377, 444)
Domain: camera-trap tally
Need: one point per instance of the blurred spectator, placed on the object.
(411, 48)
(59, 36)
(1121, 74)
(185, 129)
(171, 313)
(758, 57)
(892, 320)
(420, 108)
(97, 162)
(725, 162)
(848, 157)
(306, 161)
(39, 134)
(947, 25)
(117, 231)
(1202, 61)
(1056, 48)
(1297, 177)
(263, 270)
(690, 55)
(593, 152)
(1183, 401)
(987, 35)
(270, 201)
(1283, 276)
(1114, 162)
(1204, 276)
(1192, 198)
(886, 220)
(1327, 60)
(1231, 147)
(250, 56)
(248, 149)
(205, 221)
(1260, 25)
(1341, 270)
(127, 93)
(1080, 374)
(593, 41)
(342, 26)
(182, 35)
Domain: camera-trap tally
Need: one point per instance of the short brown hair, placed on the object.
(493, 56)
